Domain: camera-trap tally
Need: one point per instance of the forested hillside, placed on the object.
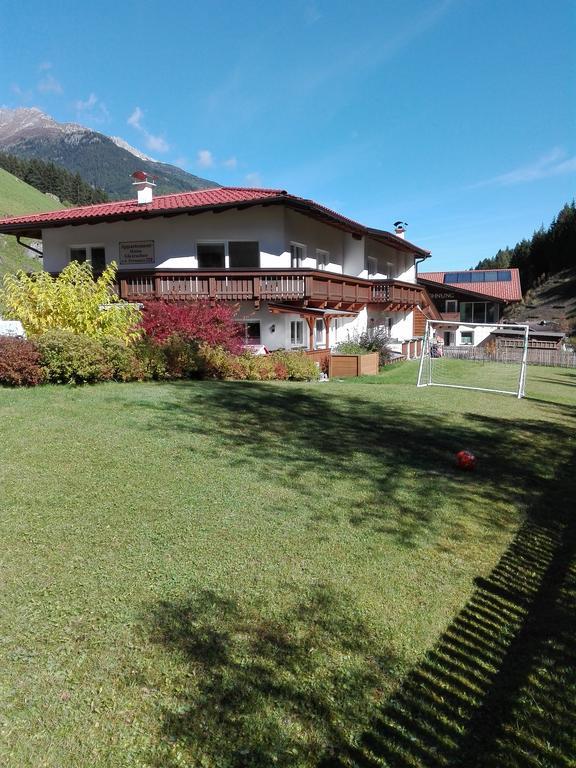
(48, 177)
(547, 252)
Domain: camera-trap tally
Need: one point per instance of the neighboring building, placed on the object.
(303, 276)
(475, 296)
(541, 335)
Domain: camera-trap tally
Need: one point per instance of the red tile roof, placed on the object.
(505, 291)
(184, 202)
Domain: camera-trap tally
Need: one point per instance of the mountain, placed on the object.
(101, 160)
(18, 198)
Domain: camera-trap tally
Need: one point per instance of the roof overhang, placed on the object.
(290, 309)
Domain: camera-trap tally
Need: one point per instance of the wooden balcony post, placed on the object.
(157, 286)
(308, 288)
(310, 321)
(327, 321)
(212, 288)
(123, 289)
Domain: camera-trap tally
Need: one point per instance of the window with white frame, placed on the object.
(322, 259)
(372, 266)
(251, 329)
(467, 338)
(232, 254)
(211, 255)
(297, 255)
(451, 305)
(319, 334)
(95, 255)
(297, 333)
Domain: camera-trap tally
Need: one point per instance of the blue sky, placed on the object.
(457, 116)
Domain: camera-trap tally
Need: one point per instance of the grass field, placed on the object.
(17, 199)
(227, 575)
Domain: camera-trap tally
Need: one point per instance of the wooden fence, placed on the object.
(551, 357)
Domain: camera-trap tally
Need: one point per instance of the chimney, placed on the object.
(144, 185)
(400, 228)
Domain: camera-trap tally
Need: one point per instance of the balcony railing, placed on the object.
(319, 287)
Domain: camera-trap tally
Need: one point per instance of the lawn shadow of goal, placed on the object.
(498, 688)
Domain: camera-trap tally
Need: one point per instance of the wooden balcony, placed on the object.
(315, 287)
(397, 296)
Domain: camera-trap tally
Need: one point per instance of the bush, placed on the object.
(298, 365)
(122, 362)
(217, 363)
(73, 358)
(371, 340)
(199, 320)
(181, 357)
(72, 302)
(19, 363)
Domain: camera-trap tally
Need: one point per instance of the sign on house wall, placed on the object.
(136, 252)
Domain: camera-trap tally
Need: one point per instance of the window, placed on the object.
(372, 266)
(466, 338)
(243, 255)
(451, 305)
(251, 331)
(319, 329)
(211, 255)
(322, 259)
(95, 255)
(297, 333)
(478, 312)
(297, 255)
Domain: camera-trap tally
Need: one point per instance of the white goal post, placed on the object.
(488, 357)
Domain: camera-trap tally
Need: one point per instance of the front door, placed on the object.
(448, 338)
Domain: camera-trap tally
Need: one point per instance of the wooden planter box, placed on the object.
(342, 366)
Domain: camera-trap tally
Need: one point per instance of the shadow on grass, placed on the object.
(387, 467)
(499, 687)
(261, 691)
(299, 689)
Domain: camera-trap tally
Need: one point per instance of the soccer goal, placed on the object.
(487, 357)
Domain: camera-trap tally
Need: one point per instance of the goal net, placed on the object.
(484, 356)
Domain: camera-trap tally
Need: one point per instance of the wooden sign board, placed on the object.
(136, 252)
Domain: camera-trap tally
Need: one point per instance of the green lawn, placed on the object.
(226, 575)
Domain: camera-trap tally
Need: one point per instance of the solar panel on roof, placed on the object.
(480, 276)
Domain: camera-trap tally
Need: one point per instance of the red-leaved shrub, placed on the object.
(206, 323)
(19, 363)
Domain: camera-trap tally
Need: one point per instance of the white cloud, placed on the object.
(92, 110)
(135, 118)
(205, 159)
(254, 179)
(22, 94)
(152, 142)
(553, 163)
(49, 84)
(155, 143)
(230, 163)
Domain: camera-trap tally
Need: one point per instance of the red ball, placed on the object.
(465, 460)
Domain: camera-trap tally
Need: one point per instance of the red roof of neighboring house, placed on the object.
(509, 290)
(193, 202)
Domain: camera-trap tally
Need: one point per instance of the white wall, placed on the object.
(314, 235)
(174, 238)
(275, 227)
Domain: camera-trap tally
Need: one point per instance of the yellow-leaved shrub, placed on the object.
(73, 301)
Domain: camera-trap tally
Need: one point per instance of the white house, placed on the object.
(303, 276)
